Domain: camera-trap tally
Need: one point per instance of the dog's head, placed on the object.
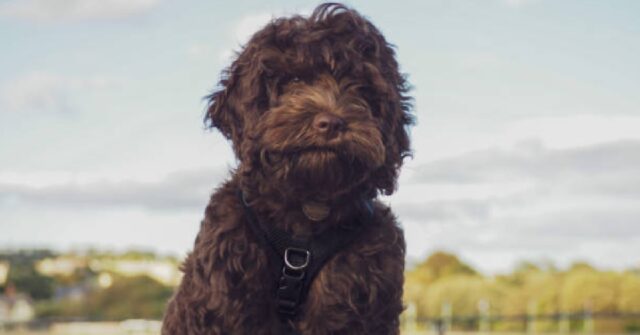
(317, 103)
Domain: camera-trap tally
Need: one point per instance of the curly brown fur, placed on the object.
(316, 110)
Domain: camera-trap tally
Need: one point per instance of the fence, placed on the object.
(562, 323)
(80, 327)
(558, 323)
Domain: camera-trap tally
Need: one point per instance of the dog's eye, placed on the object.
(294, 79)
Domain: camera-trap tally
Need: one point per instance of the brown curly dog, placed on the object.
(317, 112)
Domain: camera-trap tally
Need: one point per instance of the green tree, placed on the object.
(137, 297)
(629, 299)
(418, 280)
(590, 290)
(25, 278)
(130, 297)
(463, 293)
(442, 264)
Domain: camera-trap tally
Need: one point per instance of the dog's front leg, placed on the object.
(189, 311)
(360, 290)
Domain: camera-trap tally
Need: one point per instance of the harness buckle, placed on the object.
(293, 274)
(291, 253)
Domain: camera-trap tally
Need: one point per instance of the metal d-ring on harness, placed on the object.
(298, 261)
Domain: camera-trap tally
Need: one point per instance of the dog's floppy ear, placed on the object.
(394, 103)
(222, 112)
(220, 115)
(396, 121)
(240, 96)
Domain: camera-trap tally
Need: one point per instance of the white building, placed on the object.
(16, 308)
(4, 272)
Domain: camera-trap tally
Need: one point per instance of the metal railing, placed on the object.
(562, 323)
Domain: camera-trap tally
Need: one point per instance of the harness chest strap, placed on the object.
(300, 261)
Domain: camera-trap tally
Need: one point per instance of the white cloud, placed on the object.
(575, 130)
(78, 228)
(518, 3)
(73, 10)
(444, 138)
(241, 32)
(248, 25)
(198, 50)
(497, 206)
(534, 162)
(105, 214)
(179, 190)
(46, 92)
(36, 92)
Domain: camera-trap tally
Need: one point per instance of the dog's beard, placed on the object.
(325, 171)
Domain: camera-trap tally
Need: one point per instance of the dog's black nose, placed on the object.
(327, 123)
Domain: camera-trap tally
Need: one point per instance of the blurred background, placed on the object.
(521, 206)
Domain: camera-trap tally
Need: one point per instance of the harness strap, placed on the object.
(299, 261)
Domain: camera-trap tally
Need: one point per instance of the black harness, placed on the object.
(299, 261)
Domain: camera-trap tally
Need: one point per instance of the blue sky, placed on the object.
(527, 144)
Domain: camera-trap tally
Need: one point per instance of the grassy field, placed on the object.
(129, 327)
(146, 328)
(124, 332)
(113, 329)
(129, 333)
